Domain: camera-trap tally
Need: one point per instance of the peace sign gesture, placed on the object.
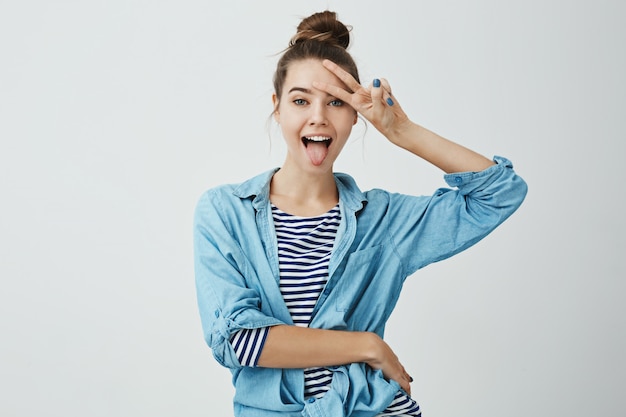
(376, 103)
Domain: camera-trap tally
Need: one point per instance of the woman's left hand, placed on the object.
(376, 103)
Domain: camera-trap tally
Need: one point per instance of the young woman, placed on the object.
(298, 270)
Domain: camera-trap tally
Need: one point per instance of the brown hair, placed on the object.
(319, 36)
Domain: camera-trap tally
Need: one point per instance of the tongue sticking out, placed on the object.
(317, 152)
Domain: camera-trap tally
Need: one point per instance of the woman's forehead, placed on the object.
(301, 75)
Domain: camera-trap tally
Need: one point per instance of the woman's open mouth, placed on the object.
(317, 148)
(326, 140)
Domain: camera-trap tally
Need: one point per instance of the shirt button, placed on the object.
(311, 400)
(458, 179)
(217, 313)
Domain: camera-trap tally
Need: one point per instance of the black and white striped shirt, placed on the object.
(304, 249)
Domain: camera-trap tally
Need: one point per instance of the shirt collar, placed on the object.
(258, 187)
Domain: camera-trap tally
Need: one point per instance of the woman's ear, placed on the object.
(276, 113)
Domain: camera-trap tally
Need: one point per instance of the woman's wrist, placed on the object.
(401, 130)
(406, 135)
(371, 348)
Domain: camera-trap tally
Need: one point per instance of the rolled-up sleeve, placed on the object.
(226, 303)
(452, 219)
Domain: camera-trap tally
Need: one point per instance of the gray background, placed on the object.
(115, 115)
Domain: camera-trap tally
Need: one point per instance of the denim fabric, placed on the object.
(383, 238)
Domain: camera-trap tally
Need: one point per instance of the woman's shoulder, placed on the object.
(247, 188)
(235, 196)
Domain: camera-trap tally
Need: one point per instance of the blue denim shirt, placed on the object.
(383, 238)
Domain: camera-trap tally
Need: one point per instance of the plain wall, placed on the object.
(116, 115)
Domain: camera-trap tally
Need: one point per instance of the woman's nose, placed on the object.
(318, 114)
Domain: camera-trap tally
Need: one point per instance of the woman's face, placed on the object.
(314, 124)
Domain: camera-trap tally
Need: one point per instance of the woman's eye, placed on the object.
(299, 102)
(336, 103)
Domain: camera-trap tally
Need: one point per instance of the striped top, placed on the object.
(304, 249)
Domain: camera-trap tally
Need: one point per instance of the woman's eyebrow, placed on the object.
(306, 91)
(302, 89)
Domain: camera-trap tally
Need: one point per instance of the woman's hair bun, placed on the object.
(323, 27)
(319, 36)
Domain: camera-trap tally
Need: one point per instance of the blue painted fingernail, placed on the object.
(390, 101)
(376, 82)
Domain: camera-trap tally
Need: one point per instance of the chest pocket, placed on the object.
(358, 282)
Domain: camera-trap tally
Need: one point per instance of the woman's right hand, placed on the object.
(289, 346)
(383, 358)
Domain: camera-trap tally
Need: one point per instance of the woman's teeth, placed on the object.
(317, 138)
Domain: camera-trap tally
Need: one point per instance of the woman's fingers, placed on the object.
(386, 360)
(377, 91)
(353, 93)
(334, 91)
(387, 96)
(381, 94)
(342, 74)
(405, 384)
(406, 381)
(376, 102)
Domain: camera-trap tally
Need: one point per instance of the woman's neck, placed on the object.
(303, 194)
